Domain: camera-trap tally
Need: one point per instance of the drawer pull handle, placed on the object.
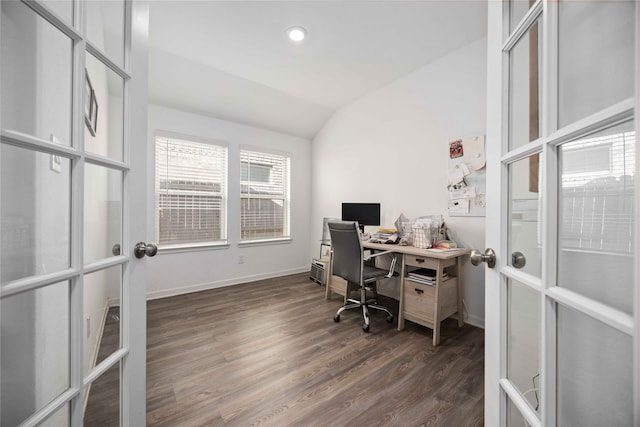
(419, 260)
(418, 291)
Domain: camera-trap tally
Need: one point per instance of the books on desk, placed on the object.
(424, 275)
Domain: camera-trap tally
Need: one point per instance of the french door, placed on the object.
(72, 300)
(562, 299)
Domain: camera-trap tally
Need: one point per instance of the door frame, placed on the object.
(132, 352)
(496, 236)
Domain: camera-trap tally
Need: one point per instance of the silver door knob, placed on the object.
(518, 259)
(489, 256)
(141, 249)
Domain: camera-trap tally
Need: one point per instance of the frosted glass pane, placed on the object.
(105, 27)
(62, 8)
(523, 340)
(595, 372)
(596, 197)
(35, 75)
(35, 350)
(517, 10)
(102, 212)
(524, 89)
(104, 129)
(525, 196)
(102, 316)
(595, 56)
(35, 191)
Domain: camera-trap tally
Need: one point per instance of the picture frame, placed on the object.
(90, 106)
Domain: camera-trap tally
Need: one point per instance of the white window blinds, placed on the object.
(264, 195)
(191, 192)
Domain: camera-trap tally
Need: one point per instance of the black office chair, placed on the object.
(348, 263)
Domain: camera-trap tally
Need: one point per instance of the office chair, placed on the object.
(348, 263)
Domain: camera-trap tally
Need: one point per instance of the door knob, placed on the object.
(115, 250)
(518, 259)
(489, 256)
(142, 249)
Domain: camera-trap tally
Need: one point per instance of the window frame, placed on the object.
(286, 196)
(224, 194)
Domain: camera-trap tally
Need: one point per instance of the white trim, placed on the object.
(54, 19)
(111, 64)
(594, 309)
(30, 142)
(223, 283)
(194, 247)
(106, 162)
(521, 403)
(95, 351)
(42, 415)
(523, 27)
(188, 138)
(268, 241)
(105, 365)
(34, 282)
(105, 263)
(526, 279)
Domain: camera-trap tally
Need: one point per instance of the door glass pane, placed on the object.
(103, 405)
(35, 350)
(525, 199)
(101, 315)
(62, 8)
(517, 10)
(103, 110)
(35, 210)
(596, 209)
(105, 27)
(595, 56)
(523, 340)
(60, 418)
(595, 381)
(102, 212)
(524, 89)
(35, 75)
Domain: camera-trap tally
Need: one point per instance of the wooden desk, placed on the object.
(426, 304)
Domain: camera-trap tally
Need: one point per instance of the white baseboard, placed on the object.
(474, 320)
(164, 293)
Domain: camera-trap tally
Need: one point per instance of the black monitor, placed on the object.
(364, 213)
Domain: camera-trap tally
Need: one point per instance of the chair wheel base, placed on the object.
(336, 318)
(365, 328)
(390, 319)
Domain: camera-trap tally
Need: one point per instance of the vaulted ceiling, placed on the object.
(233, 60)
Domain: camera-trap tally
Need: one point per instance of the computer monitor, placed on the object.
(364, 213)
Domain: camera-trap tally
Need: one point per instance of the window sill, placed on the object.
(262, 242)
(173, 249)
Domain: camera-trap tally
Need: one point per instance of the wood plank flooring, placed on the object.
(269, 353)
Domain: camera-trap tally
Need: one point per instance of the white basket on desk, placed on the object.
(423, 237)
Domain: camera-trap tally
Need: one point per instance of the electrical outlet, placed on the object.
(240, 259)
(55, 162)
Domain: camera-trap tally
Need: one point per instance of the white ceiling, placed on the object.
(232, 60)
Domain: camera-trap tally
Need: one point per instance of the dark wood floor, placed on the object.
(269, 353)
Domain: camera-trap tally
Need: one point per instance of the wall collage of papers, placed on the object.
(467, 177)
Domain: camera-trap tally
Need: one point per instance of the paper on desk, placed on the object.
(474, 152)
(459, 205)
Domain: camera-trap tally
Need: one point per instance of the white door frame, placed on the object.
(496, 236)
(132, 353)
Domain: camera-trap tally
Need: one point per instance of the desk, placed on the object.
(425, 304)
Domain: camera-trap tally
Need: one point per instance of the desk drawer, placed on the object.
(419, 299)
(421, 261)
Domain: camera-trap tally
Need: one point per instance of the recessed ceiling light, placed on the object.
(297, 34)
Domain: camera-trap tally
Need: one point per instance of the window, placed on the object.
(191, 190)
(264, 195)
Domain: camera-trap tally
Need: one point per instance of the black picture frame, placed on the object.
(90, 106)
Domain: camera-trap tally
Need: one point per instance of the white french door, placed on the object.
(562, 299)
(72, 298)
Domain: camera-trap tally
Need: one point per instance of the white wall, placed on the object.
(391, 146)
(184, 271)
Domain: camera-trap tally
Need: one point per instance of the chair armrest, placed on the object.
(393, 261)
